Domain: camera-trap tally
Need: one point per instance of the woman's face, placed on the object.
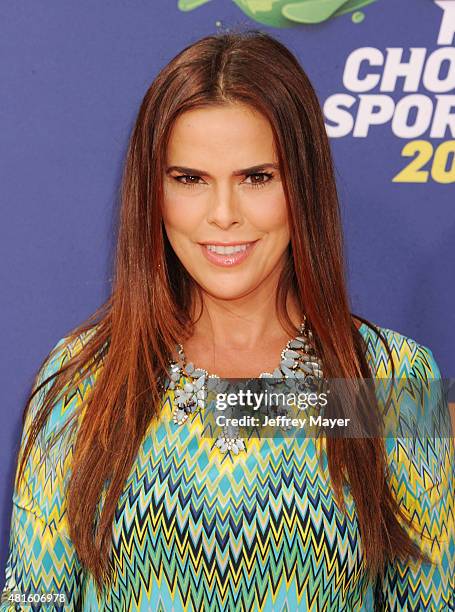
(224, 207)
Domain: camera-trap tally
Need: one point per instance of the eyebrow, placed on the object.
(250, 170)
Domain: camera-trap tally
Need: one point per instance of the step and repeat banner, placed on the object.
(73, 77)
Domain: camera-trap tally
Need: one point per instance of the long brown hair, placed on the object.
(133, 334)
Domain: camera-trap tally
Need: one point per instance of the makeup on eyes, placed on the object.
(255, 185)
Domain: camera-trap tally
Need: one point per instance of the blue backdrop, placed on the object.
(73, 75)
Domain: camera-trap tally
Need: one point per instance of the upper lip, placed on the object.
(236, 243)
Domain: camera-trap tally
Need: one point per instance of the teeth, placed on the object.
(226, 250)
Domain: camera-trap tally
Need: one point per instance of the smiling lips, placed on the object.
(227, 254)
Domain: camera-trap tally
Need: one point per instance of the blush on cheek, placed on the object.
(172, 208)
(183, 213)
(184, 210)
(270, 215)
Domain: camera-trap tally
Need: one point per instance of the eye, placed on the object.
(191, 180)
(269, 176)
(187, 176)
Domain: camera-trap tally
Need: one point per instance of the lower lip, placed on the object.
(228, 260)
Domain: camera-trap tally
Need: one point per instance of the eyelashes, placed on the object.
(256, 185)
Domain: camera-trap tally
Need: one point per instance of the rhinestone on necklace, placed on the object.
(298, 361)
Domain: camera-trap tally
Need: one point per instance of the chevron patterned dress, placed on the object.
(200, 530)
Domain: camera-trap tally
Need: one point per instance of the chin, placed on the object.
(227, 290)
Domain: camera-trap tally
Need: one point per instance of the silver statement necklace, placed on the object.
(298, 361)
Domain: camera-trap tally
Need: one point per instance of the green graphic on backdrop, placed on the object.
(286, 14)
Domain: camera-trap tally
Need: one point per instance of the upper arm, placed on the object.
(422, 477)
(41, 557)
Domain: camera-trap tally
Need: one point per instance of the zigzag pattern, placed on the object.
(196, 529)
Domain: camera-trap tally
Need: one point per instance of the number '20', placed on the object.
(422, 152)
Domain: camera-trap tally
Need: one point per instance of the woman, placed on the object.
(229, 256)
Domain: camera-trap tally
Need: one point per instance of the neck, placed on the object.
(245, 323)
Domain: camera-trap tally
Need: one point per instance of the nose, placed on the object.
(224, 208)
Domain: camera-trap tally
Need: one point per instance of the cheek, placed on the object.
(270, 214)
(181, 216)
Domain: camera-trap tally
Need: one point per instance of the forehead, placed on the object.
(224, 134)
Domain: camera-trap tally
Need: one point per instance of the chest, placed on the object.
(233, 362)
(252, 528)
